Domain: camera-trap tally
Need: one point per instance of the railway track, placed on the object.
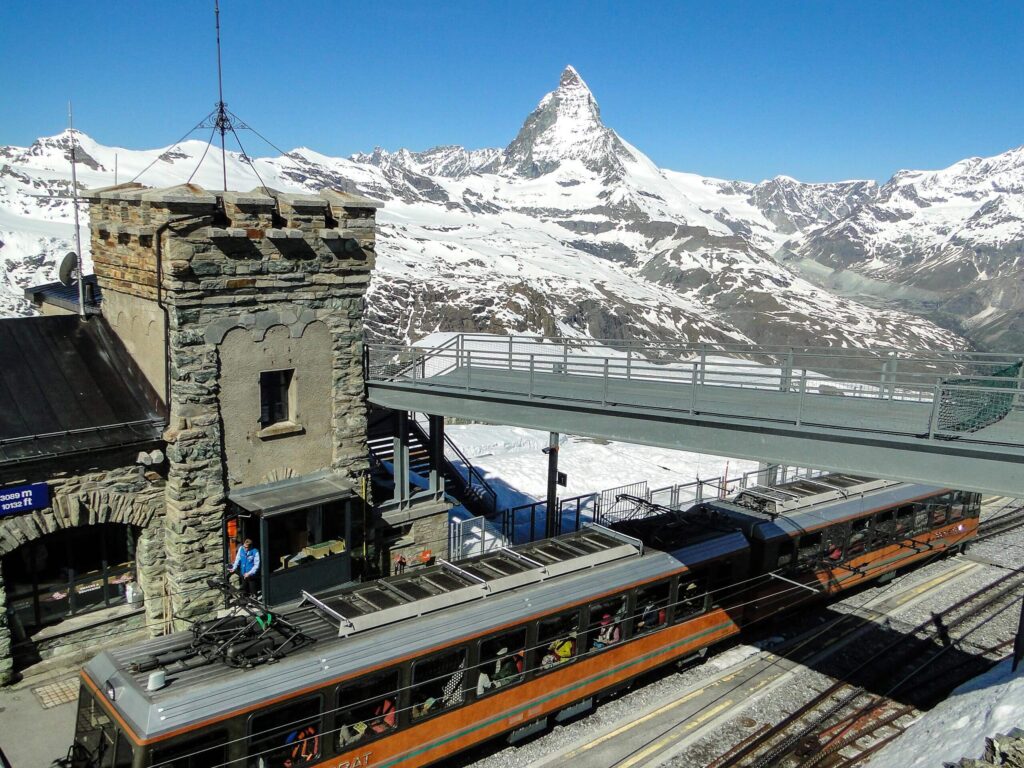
(863, 725)
(1010, 516)
(845, 723)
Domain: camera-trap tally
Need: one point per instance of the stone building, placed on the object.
(217, 394)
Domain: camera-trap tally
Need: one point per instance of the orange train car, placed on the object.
(409, 670)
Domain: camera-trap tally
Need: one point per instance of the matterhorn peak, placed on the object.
(566, 125)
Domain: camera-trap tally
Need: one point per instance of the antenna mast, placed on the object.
(78, 233)
(222, 121)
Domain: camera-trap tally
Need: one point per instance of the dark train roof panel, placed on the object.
(68, 386)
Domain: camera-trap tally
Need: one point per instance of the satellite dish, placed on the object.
(68, 272)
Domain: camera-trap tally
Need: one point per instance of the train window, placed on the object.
(556, 639)
(835, 543)
(438, 683)
(786, 552)
(367, 708)
(920, 517)
(957, 506)
(810, 547)
(904, 521)
(974, 504)
(286, 736)
(197, 752)
(95, 731)
(606, 624)
(884, 522)
(651, 607)
(937, 514)
(693, 597)
(860, 537)
(502, 659)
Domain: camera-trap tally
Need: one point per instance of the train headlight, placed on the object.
(109, 689)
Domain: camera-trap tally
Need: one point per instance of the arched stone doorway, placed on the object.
(75, 575)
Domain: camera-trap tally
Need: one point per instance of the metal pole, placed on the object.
(78, 233)
(222, 121)
(604, 394)
(800, 402)
(551, 528)
(693, 389)
(933, 419)
(531, 376)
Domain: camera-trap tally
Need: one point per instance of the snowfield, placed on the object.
(990, 704)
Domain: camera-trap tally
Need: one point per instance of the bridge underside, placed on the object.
(874, 437)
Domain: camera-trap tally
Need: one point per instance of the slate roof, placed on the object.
(68, 386)
(66, 296)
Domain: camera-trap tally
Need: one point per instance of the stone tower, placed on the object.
(211, 291)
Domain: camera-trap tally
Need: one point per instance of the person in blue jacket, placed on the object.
(247, 564)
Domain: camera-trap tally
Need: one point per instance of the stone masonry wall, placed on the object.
(218, 262)
(125, 494)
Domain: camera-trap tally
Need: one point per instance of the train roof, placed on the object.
(810, 511)
(201, 693)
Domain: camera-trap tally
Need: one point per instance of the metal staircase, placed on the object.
(469, 489)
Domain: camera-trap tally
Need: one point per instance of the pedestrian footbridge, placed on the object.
(949, 418)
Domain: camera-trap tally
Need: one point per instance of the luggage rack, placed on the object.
(447, 584)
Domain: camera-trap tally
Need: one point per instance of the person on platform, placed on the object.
(247, 565)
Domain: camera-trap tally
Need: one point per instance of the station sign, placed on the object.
(562, 479)
(24, 498)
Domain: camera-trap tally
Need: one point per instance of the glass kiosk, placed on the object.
(302, 528)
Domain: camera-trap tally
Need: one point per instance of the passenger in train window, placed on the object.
(386, 717)
(559, 651)
(652, 605)
(367, 708)
(557, 636)
(609, 633)
(834, 552)
(605, 626)
(437, 683)
(859, 536)
(691, 599)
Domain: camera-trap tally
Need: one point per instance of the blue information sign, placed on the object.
(22, 498)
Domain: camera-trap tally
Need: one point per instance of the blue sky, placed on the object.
(816, 90)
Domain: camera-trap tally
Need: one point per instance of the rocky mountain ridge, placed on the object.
(568, 230)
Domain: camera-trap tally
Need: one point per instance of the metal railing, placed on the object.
(526, 522)
(927, 394)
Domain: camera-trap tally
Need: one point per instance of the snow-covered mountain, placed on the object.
(946, 243)
(568, 230)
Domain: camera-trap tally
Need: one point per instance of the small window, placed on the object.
(810, 547)
(692, 598)
(501, 661)
(860, 537)
(921, 517)
(835, 541)
(651, 607)
(197, 752)
(605, 627)
(93, 727)
(367, 709)
(904, 521)
(557, 640)
(786, 556)
(937, 515)
(286, 736)
(438, 684)
(274, 397)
